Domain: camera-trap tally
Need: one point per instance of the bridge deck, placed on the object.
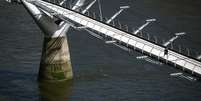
(153, 49)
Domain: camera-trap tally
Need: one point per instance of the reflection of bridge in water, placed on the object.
(65, 17)
(55, 91)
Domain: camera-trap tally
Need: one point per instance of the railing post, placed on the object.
(94, 15)
(188, 51)
(155, 39)
(141, 34)
(148, 37)
(126, 27)
(119, 25)
(171, 45)
(113, 23)
(179, 48)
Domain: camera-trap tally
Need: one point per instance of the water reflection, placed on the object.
(59, 91)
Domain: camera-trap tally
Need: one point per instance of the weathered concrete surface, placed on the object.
(55, 60)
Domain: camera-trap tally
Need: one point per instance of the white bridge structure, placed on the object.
(118, 36)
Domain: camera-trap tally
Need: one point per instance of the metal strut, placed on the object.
(100, 10)
(199, 57)
(122, 8)
(78, 4)
(89, 6)
(173, 38)
(61, 3)
(148, 21)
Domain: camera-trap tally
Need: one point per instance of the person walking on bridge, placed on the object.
(166, 51)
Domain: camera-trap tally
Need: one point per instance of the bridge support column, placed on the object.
(55, 60)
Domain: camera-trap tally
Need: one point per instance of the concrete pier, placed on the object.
(55, 60)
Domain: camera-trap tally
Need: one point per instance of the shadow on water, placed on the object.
(59, 91)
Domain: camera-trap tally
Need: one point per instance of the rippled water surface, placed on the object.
(102, 72)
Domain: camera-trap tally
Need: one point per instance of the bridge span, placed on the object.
(133, 41)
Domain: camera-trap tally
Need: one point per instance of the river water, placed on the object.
(102, 72)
